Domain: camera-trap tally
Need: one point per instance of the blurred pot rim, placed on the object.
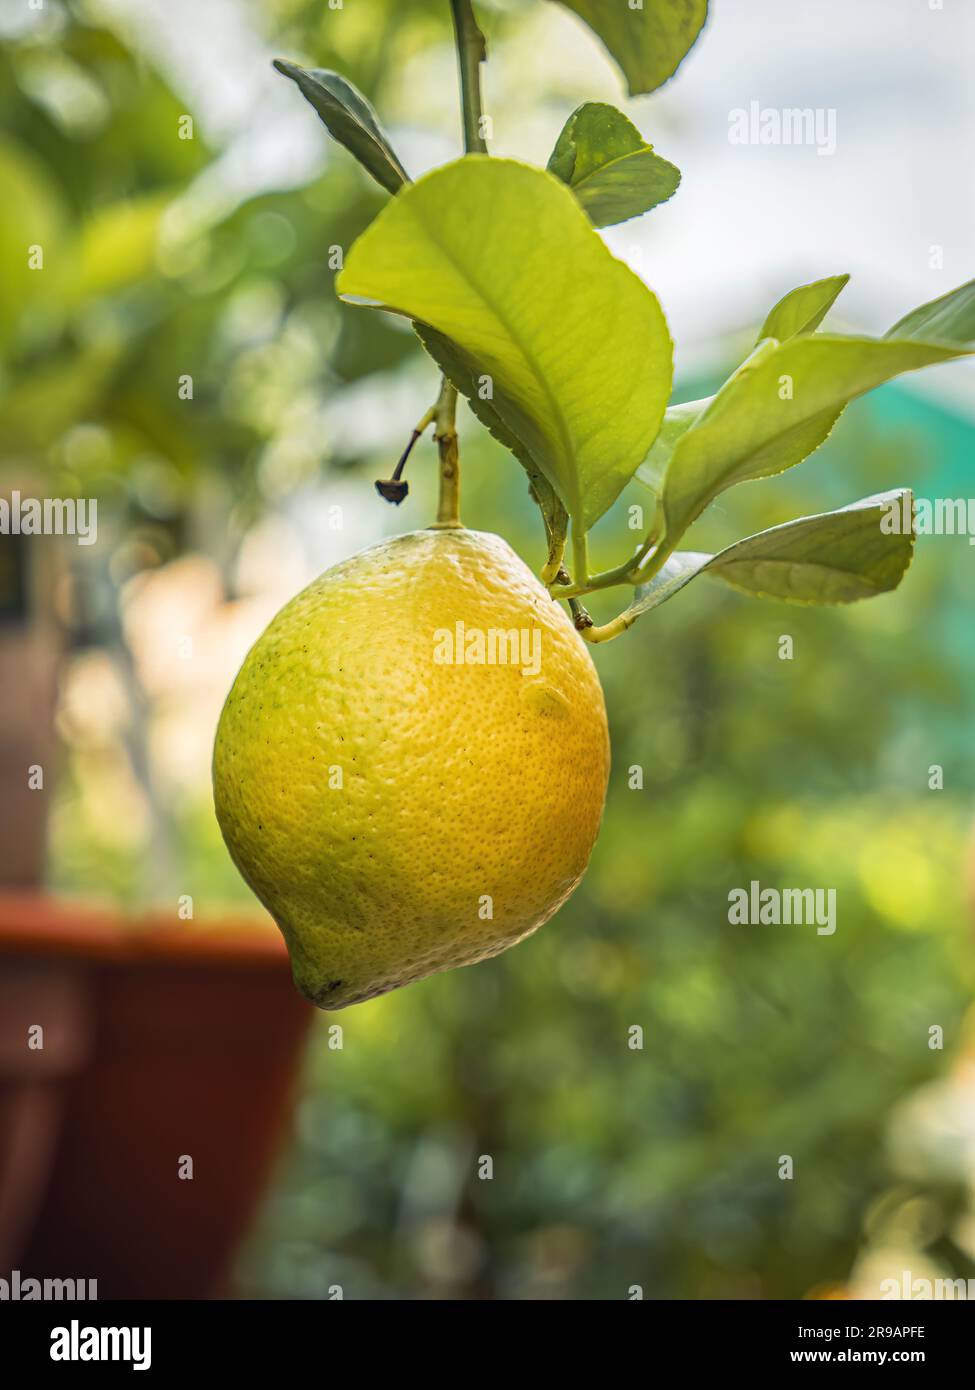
(42, 925)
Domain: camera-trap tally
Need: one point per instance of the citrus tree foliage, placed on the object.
(566, 357)
(615, 1164)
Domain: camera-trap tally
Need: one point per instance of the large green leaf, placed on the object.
(779, 406)
(500, 259)
(802, 310)
(350, 119)
(836, 557)
(648, 41)
(609, 166)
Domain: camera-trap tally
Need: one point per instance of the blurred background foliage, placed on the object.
(167, 258)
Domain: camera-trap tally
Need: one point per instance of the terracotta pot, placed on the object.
(163, 1042)
(30, 650)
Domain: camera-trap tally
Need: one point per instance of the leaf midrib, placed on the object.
(619, 159)
(791, 564)
(377, 142)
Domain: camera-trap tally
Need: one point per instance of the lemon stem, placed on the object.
(580, 615)
(609, 630)
(445, 433)
(629, 572)
(628, 617)
(471, 53)
(580, 559)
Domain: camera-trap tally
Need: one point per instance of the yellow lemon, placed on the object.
(411, 766)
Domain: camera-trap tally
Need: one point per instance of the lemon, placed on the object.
(411, 765)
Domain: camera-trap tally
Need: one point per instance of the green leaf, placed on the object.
(115, 248)
(950, 319)
(775, 410)
(34, 215)
(45, 401)
(571, 347)
(837, 557)
(609, 166)
(350, 119)
(677, 420)
(802, 310)
(679, 569)
(649, 43)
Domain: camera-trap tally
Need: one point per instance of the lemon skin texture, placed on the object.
(400, 811)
